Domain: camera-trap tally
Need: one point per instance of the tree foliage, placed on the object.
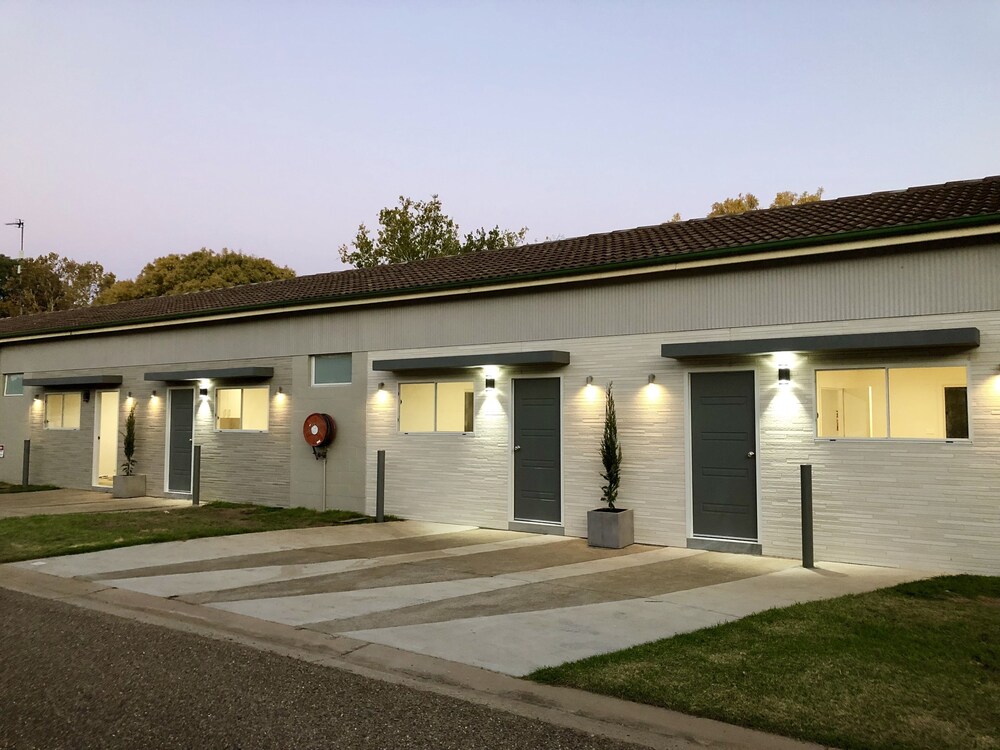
(749, 202)
(415, 230)
(128, 446)
(195, 272)
(611, 451)
(50, 282)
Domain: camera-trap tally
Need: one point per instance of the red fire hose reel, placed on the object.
(319, 430)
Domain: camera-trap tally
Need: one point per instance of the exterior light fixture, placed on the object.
(153, 394)
(652, 378)
(130, 394)
(590, 380)
(38, 397)
(381, 386)
(203, 392)
(491, 384)
(281, 389)
(86, 397)
(784, 376)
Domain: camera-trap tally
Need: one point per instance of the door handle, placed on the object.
(517, 448)
(750, 454)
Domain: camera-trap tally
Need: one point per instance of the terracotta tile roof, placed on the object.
(918, 209)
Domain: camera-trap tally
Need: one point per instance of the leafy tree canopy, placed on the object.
(749, 202)
(50, 282)
(415, 230)
(195, 272)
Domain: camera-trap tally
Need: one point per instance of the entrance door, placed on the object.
(180, 442)
(105, 438)
(723, 455)
(537, 463)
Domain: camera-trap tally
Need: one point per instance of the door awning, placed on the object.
(213, 373)
(76, 382)
(550, 358)
(934, 339)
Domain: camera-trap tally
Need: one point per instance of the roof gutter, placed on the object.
(924, 232)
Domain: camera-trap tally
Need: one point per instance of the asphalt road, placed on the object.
(74, 678)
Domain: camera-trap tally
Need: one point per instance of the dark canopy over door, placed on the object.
(181, 444)
(537, 464)
(723, 455)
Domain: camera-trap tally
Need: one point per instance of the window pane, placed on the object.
(14, 384)
(255, 402)
(227, 408)
(71, 411)
(53, 411)
(454, 411)
(918, 407)
(331, 368)
(850, 403)
(416, 407)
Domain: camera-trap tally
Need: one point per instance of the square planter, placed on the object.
(610, 528)
(133, 486)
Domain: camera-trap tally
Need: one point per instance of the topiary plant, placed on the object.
(128, 468)
(611, 451)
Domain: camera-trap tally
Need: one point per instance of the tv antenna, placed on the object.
(19, 223)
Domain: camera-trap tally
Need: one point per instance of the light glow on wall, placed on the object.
(490, 371)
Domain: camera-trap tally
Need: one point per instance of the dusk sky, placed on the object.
(135, 129)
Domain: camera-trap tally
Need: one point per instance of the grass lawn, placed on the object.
(913, 666)
(44, 536)
(9, 488)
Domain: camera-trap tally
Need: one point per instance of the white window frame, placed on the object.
(241, 389)
(45, 412)
(435, 431)
(888, 421)
(312, 369)
(6, 384)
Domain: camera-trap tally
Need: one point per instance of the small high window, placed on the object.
(243, 409)
(331, 369)
(436, 407)
(62, 411)
(929, 403)
(13, 384)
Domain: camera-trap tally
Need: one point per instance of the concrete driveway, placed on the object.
(504, 601)
(50, 502)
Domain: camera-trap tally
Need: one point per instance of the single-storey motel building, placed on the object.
(859, 335)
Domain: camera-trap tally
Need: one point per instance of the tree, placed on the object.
(611, 452)
(51, 282)
(743, 203)
(415, 230)
(199, 271)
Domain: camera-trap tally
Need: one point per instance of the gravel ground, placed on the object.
(74, 678)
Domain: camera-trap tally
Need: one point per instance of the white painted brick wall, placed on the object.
(920, 504)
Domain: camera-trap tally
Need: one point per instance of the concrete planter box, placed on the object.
(133, 486)
(610, 528)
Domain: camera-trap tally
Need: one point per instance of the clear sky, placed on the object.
(129, 130)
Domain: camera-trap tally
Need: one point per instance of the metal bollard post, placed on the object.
(806, 480)
(380, 489)
(25, 463)
(196, 477)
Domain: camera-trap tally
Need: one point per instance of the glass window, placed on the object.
(436, 407)
(929, 403)
(62, 411)
(13, 384)
(242, 408)
(331, 369)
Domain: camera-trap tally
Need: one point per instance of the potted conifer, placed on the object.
(128, 483)
(610, 526)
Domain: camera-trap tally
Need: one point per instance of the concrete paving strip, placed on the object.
(517, 644)
(57, 502)
(220, 580)
(325, 607)
(148, 555)
(301, 610)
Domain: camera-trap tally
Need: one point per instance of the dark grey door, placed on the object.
(537, 465)
(181, 443)
(724, 454)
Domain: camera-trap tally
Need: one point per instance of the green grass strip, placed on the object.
(913, 666)
(32, 537)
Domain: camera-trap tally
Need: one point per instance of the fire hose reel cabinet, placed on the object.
(319, 430)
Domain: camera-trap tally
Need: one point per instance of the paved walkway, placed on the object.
(49, 502)
(505, 601)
